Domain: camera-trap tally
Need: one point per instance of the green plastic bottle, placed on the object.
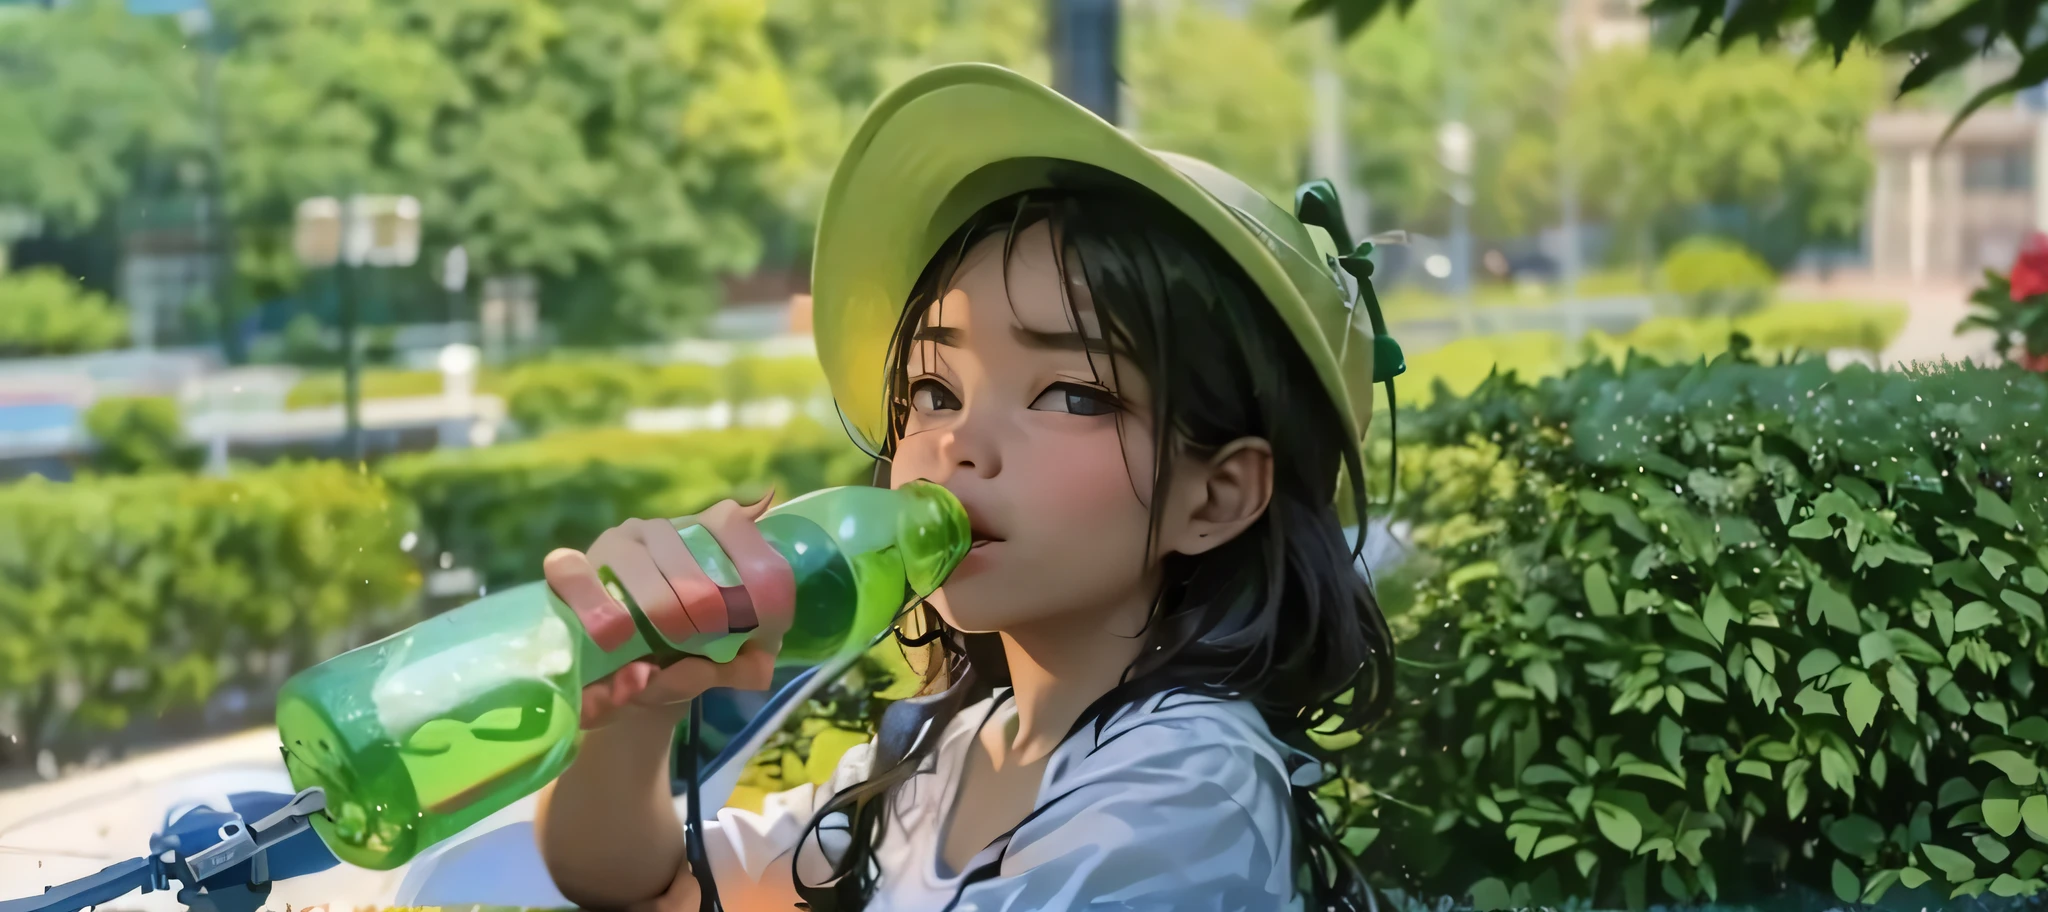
(422, 734)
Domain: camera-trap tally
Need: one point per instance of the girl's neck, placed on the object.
(1058, 668)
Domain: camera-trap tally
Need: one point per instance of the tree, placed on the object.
(1936, 37)
(1250, 117)
(1747, 127)
(87, 92)
(616, 150)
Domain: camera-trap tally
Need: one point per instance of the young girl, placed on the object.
(1144, 381)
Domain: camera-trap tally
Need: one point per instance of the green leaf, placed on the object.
(1813, 527)
(2017, 767)
(1584, 860)
(1756, 768)
(1909, 644)
(1847, 887)
(1815, 701)
(1996, 562)
(1997, 511)
(1856, 834)
(1817, 663)
(1490, 895)
(1991, 849)
(1509, 690)
(1649, 771)
(1955, 866)
(1488, 808)
(2034, 813)
(1541, 773)
(2001, 810)
(1472, 573)
(1912, 877)
(1956, 791)
(2024, 604)
(1974, 615)
(1670, 740)
(1718, 614)
(1356, 839)
(1905, 690)
(1874, 647)
(2031, 728)
(2008, 886)
(1618, 825)
(1825, 601)
(1599, 592)
(1553, 844)
(1580, 798)
(1991, 711)
(1525, 836)
(1541, 676)
(2035, 579)
(1861, 701)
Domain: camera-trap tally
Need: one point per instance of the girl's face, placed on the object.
(1016, 409)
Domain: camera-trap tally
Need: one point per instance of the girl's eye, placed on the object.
(931, 396)
(1075, 399)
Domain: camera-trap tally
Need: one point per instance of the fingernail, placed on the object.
(761, 506)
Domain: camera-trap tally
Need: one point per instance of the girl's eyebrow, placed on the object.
(1060, 341)
(938, 335)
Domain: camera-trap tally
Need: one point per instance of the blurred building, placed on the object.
(1945, 212)
(1607, 24)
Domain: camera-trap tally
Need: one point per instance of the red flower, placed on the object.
(2036, 363)
(2030, 269)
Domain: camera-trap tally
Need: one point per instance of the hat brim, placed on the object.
(942, 146)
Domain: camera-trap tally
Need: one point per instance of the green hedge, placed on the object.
(147, 592)
(1714, 276)
(1702, 632)
(502, 509)
(44, 312)
(139, 434)
(545, 396)
(325, 389)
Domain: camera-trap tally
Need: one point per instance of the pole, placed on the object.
(1452, 17)
(351, 377)
(221, 227)
(1569, 265)
(1083, 35)
(1328, 152)
(345, 266)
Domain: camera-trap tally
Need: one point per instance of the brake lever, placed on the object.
(240, 842)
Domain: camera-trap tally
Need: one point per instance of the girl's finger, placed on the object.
(597, 705)
(686, 680)
(622, 550)
(571, 577)
(627, 683)
(754, 667)
(766, 595)
(703, 609)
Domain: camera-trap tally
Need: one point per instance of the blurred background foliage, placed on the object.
(631, 155)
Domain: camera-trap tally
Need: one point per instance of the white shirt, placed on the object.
(1179, 802)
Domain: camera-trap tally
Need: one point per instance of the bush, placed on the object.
(1781, 329)
(550, 395)
(1705, 631)
(325, 389)
(503, 509)
(799, 378)
(144, 434)
(44, 312)
(145, 593)
(1714, 276)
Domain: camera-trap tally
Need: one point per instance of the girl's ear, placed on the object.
(1219, 498)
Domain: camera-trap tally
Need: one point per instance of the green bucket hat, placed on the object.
(952, 140)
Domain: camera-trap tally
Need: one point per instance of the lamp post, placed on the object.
(365, 231)
(1083, 39)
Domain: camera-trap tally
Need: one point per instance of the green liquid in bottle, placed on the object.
(421, 735)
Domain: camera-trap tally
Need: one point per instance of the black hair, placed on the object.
(1279, 616)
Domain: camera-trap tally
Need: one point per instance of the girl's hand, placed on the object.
(651, 562)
